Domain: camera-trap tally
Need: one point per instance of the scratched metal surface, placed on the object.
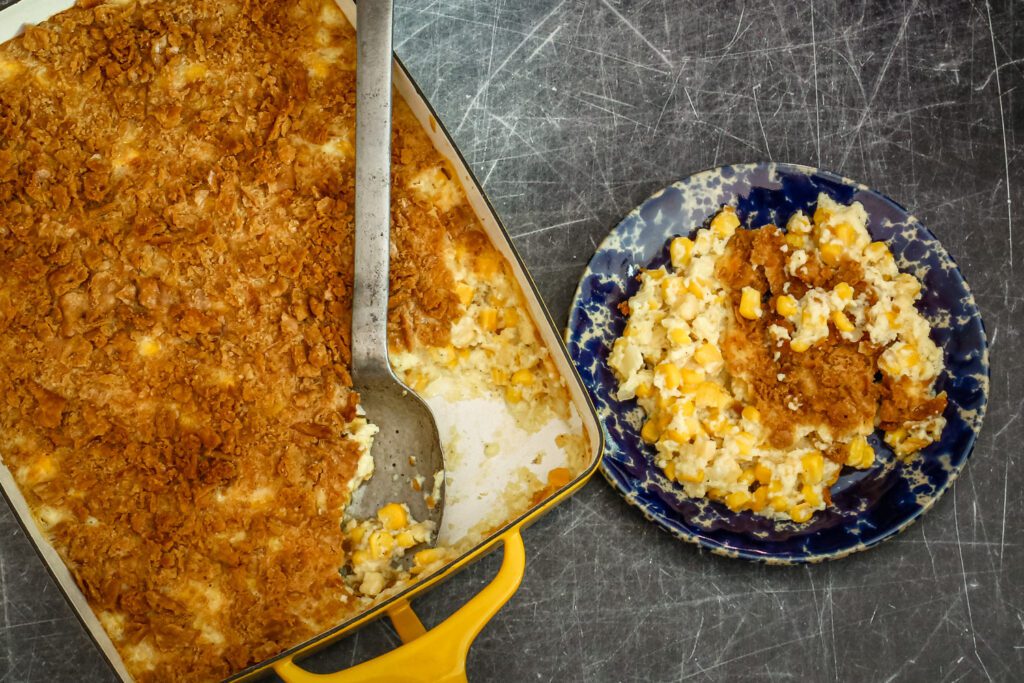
(572, 113)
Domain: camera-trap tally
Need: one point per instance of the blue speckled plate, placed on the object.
(870, 505)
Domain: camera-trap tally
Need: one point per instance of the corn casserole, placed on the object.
(176, 190)
(763, 359)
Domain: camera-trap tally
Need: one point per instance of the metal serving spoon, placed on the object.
(407, 445)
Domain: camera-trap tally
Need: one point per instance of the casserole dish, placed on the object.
(495, 472)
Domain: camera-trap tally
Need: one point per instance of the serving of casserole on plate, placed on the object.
(764, 359)
(176, 187)
(782, 395)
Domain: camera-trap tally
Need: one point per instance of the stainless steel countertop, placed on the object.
(573, 112)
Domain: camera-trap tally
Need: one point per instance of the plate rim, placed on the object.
(712, 545)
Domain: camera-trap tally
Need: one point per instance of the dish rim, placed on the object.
(782, 558)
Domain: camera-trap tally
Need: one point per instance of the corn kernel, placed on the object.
(665, 416)
(644, 390)
(685, 407)
(750, 303)
(821, 215)
(405, 540)
(725, 222)
(786, 306)
(720, 428)
(801, 513)
(759, 499)
(831, 252)
(746, 477)
(419, 381)
(513, 395)
(709, 395)
(149, 347)
(679, 336)
(356, 535)
(779, 503)
(692, 377)
(523, 377)
(859, 453)
(876, 251)
(509, 317)
(775, 486)
(650, 431)
(737, 500)
(465, 293)
(762, 473)
(843, 291)
(799, 345)
(688, 478)
(486, 265)
(707, 354)
(680, 251)
(669, 374)
(676, 435)
(489, 319)
(795, 241)
(744, 443)
(845, 233)
(811, 495)
(813, 466)
(381, 544)
(500, 376)
(393, 516)
(751, 414)
(695, 288)
(427, 557)
(360, 557)
(841, 322)
(42, 469)
(715, 493)
(670, 470)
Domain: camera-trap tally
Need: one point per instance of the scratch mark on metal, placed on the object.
(546, 42)
(817, 106)
(635, 30)
(1002, 123)
(855, 134)
(757, 110)
(967, 591)
(504, 63)
(549, 227)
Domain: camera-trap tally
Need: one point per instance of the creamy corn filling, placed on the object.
(705, 416)
(494, 347)
(377, 549)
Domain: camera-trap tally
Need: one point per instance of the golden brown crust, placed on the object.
(832, 383)
(176, 193)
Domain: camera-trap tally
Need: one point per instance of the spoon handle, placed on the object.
(373, 191)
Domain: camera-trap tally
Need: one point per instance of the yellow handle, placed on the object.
(437, 655)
